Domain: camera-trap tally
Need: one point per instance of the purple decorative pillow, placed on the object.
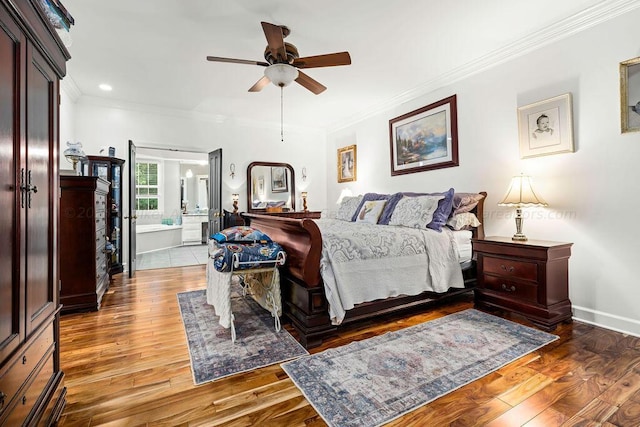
(440, 216)
(368, 197)
(465, 202)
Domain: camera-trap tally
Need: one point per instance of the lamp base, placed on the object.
(519, 237)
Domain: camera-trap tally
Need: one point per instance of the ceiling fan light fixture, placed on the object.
(281, 74)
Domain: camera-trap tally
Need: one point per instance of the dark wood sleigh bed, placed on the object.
(303, 295)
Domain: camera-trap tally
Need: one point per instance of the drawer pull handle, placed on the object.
(24, 360)
(24, 400)
(508, 288)
(509, 269)
(2, 397)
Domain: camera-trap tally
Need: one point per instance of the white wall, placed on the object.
(588, 191)
(97, 125)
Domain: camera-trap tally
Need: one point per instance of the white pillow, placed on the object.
(463, 221)
(348, 208)
(415, 212)
(371, 211)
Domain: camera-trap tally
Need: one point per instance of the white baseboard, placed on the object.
(607, 320)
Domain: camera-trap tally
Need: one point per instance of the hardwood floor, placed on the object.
(128, 365)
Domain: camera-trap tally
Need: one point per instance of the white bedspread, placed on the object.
(364, 262)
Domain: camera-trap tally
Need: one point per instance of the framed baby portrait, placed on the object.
(630, 95)
(546, 127)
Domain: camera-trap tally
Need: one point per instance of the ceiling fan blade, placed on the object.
(236, 61)
(310, 83)
(275, 40)
(328, 60)
(260, 84)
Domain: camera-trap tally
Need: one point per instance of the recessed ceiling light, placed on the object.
(105, 87)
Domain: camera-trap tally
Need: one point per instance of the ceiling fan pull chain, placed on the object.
(281, 114)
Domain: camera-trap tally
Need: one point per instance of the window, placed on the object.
(147, 186)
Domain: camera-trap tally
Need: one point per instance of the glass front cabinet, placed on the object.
(110, 169)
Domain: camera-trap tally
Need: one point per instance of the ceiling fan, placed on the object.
(283, 61)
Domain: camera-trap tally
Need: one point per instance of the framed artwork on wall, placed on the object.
(546, 127)
(279, 182)
(347, 164)
(630, 95)
(425, 139)
(261, 186)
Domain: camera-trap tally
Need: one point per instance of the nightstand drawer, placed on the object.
(506, 267)
(524, 291)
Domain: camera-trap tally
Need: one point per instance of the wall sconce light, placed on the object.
(235, 197)
(304, 173)
(189, 173)
(520, 194)
(232, 169)
(304, 201)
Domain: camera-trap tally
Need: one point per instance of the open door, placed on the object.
(215, 191)
(132, 209)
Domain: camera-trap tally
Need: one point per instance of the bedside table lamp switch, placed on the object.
(521, 194)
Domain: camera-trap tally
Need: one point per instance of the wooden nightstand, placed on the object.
(529, 278)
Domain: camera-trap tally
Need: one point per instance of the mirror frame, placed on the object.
(292, 188)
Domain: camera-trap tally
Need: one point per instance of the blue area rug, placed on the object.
(214, 356)
(371, 382)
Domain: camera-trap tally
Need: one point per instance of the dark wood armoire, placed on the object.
(32, 61)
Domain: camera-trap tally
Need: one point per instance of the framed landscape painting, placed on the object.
(279, 182)
(425, 139)
(546, 127)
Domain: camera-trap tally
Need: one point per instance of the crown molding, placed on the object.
(69, 87)
(581, 21)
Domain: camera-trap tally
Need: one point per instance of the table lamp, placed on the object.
(521, 194)
(74, 154)
(304, 201)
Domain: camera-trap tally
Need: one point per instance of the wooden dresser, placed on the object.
(529, 278)
(84, 273)
(32, 62)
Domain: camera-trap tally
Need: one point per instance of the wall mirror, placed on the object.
(270, 187)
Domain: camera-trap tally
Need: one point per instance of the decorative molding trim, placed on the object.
(614, 322)
(69, 87)
(581, 21)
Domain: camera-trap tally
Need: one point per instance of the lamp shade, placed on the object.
(281, 74)
(521, 193)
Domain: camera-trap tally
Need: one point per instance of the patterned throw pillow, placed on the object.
(440, 216)
(370, 211)
(415, 212)
(348, 207)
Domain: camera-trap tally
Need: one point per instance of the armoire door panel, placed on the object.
(11, 329)
(38, 178)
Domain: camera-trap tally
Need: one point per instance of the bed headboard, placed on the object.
(478, 232)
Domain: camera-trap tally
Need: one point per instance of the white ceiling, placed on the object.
(153, 51)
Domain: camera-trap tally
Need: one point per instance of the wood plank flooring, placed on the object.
(128, 365)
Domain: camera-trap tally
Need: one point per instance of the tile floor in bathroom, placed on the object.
(172, 257)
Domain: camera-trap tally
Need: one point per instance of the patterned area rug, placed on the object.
(374, 381)
(214, 356)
